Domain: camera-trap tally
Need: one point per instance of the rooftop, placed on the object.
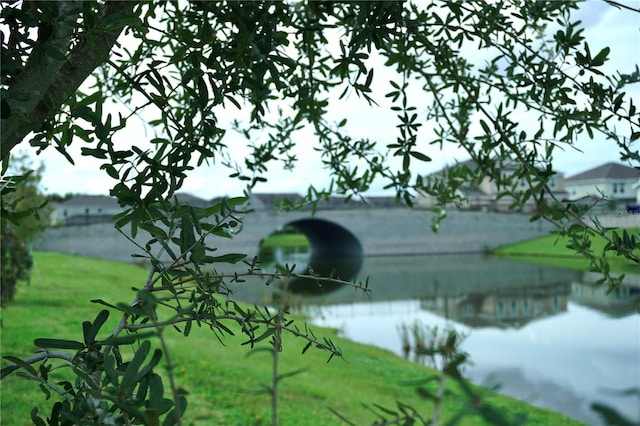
(607, 171)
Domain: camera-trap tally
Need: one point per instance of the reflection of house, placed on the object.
(485, 195)
(612, 180)
(504, 309)
(621, 301)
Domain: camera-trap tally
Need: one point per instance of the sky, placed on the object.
(604, 26)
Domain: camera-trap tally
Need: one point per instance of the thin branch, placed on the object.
(622, 6)
(40, 356)
(172, 381)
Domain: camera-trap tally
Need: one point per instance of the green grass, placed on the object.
(285, 240)
(552, 250)
(217, 376)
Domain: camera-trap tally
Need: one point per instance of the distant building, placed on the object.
(384, 202)
(636, 187)
(84, 210)
(184, 198)
(484, 196)
(89, 209)
(269, 201)
(613, 181)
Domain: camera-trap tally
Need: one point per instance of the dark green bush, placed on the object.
(16, 263)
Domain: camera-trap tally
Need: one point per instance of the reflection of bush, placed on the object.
(16, 263)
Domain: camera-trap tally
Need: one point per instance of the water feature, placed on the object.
(542, 334)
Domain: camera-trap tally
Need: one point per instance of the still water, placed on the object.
(542, 334)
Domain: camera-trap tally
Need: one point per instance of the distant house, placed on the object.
(636, 187)
(484, 196)
(613, 181)
(89, 209)
(84, 209)
(184, 198)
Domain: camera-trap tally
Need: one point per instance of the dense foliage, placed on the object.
(16, 263)
(280, 69)
(24, 215)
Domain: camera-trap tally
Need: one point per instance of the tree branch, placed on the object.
(622, 6)
(49, 82)
(40, 356)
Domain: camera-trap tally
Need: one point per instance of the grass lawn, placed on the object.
(553, 250)
(285, 240)
(217, 376)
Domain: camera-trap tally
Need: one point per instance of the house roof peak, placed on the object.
(609, 170)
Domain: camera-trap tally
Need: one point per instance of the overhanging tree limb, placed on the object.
(50, 82)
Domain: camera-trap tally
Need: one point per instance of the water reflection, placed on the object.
(542, 334)
(296, 257)
(622, 301)
(503, 309)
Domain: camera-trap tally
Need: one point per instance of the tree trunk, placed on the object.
(46, 83)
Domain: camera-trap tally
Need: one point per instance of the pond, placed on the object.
(542, 334)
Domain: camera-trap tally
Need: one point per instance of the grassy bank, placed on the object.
(553, 250)
(216, 376)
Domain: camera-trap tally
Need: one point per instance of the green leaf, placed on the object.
(292, 373)
(268, 332)
(59, 344)
(91, 331)
(485, 127)
(156, 395)
(53, 52)
(187, 234)
(20, 363)
(601, 57)
(227, 258)
(128, 339)
(37, 421)
(102, 302)
(256, 350)
(420, 156)
(170, 418)
(147, 369)
(110, 369)
(154, 230)
(111, 171)
(131, 373)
